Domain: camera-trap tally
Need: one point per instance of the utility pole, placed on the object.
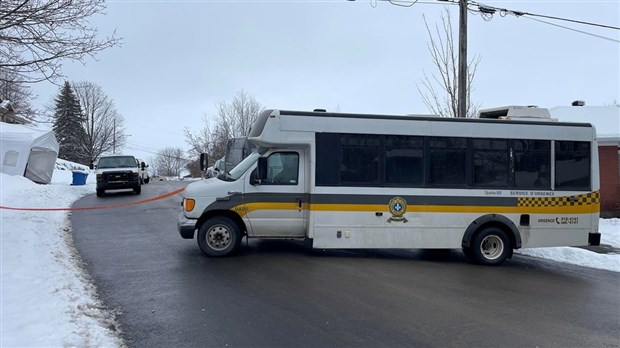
(462, 78)
(462, 84)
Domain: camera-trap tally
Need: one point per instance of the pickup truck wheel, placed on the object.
(137, 189)
(219, 236)
(100, 192)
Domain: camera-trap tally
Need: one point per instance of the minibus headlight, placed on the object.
(188, 204)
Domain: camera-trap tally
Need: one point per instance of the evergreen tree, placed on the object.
(68, 127)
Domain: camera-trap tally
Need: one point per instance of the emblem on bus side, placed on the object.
(398, 208)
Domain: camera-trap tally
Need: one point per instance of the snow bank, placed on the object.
(46, 299)
(610, 235)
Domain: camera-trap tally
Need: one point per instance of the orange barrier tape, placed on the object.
(166, 195)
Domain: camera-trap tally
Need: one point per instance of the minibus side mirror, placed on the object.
(92, 165)
(142, 165)
(204, 161)
(262, 168)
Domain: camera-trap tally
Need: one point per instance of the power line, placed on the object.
(141, 125)
(488, 11)
(409, 3)
(138, 147)
(159, 154)
(574, 21)
(403, 3)
(572, 29)
(148, 147)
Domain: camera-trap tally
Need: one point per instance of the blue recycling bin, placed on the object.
(79, 178)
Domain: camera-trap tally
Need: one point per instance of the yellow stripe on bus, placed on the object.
(247, 208)
(244, 209)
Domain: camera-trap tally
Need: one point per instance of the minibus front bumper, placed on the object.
(186, 226)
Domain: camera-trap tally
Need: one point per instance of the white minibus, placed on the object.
(511, 178)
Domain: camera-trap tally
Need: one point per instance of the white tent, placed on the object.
(30, 151)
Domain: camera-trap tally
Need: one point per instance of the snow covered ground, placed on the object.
(610, 235)
(48, 300)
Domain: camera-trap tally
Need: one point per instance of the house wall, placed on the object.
(610, 180)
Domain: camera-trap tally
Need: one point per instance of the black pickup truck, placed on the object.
(117, 172)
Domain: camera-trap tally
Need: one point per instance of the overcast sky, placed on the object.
(179, 58)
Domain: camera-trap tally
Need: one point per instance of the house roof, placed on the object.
(606, 119)
(8, 115)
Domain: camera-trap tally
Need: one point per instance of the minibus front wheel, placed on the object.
(219, 236)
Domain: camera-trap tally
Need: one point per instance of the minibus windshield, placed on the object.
(242, 167)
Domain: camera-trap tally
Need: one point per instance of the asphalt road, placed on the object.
(276, 294)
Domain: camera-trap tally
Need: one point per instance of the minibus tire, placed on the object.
(137, 189)
(219, 236)
(467, 252)
(491, 246)
(100, 192)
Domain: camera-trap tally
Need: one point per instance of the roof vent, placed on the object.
(515, 112)
(578, 103)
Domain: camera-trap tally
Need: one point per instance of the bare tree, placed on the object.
(19, 94)
(199, 142)
(233, 120)
(169, 161)
(236, 118)
(104, 126)
(219, 139)
(37, 35)
(439, 90)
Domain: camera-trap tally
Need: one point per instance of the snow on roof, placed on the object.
(606, 119)
(5, 104)
(29, 129)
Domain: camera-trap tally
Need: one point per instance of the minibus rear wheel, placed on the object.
(219, 236)
(491, 246)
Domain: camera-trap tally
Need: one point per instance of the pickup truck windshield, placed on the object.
(242, 167)
(117, 162)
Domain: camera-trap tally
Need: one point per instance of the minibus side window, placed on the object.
(282, 169)
(447, 161)
(572, 165)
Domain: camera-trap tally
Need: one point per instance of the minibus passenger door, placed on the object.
(277, 203)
